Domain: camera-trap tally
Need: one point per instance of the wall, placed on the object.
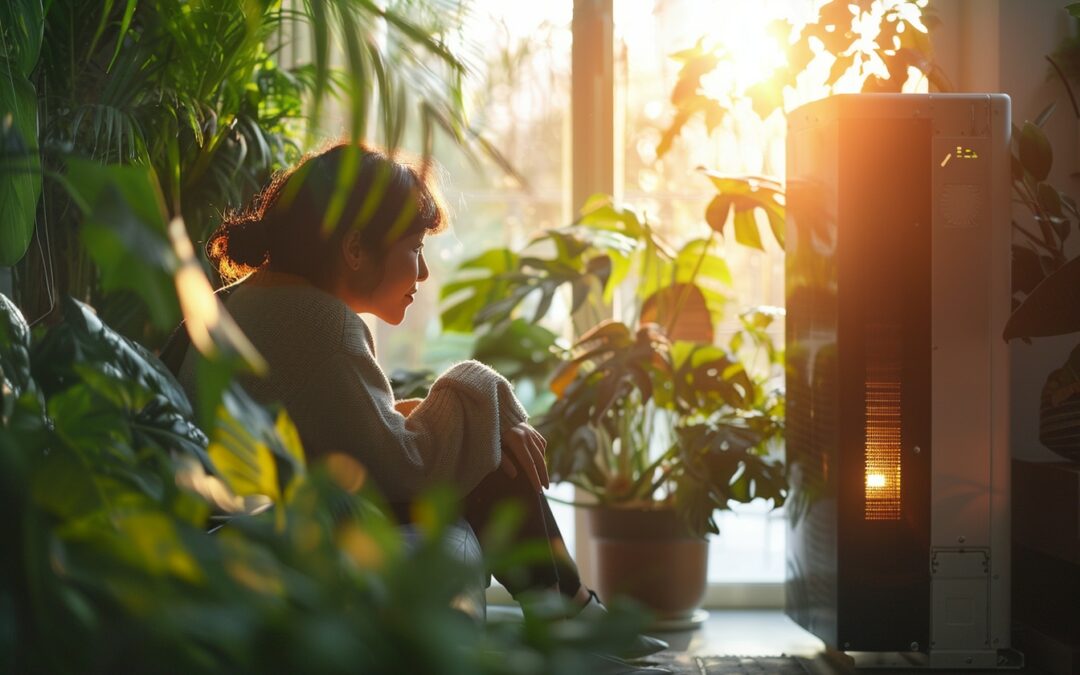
(1000, 46)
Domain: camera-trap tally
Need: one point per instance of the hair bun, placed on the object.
(239, 246)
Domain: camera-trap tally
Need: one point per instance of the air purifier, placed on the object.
(898, 288)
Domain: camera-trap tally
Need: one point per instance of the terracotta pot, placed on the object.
(648, 555)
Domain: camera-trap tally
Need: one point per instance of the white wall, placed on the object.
(1000, 46)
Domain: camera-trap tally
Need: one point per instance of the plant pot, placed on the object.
(1030, 365)
(648, 555)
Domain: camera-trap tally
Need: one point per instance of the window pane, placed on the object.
(674, 195)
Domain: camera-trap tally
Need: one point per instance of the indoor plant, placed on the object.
(107, 482)
(650, 416)
(1045, 282)
(648, 410)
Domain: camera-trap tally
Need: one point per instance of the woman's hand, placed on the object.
(523, 449)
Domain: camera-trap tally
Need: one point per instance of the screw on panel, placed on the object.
(847, 645)
(961, 539)
(914, 646)
(917, 449)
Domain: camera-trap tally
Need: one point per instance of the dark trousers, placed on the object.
(555, 569)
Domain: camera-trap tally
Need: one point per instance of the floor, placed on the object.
(768, 632)
(746, 633)
(772, 633)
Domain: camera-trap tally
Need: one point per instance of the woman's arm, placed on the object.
(455, 435)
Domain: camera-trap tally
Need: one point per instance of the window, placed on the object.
(521, 55)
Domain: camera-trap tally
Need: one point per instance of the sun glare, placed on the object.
(753, 52)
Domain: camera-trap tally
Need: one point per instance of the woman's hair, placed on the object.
(296, 224)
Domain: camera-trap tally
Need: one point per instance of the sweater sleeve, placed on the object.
(453, 436)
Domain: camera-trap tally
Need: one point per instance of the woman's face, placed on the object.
(404, 268)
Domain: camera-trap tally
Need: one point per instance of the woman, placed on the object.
(343, 234)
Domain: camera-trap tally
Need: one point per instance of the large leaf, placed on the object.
(1035, 152)
(483, 287)
(83, 339)
(22, 26)
(125, 233)
(743, 196)
(683, 312)
(521, 349)
(706, 378)
(20, 167)
(256, 454)
(14, 352)
(601, 213)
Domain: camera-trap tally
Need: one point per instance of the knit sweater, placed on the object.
(323, 370)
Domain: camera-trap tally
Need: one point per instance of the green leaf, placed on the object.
(745, 195)
(601, 213)
(520, 349)
(496, 260)
(1036, 155)
(1050, 199)
(14, 353)
(256, 454)
(22, 27)
(83, 339)
(20, 166)
(746, 230)
(125, 25)
(125, 234)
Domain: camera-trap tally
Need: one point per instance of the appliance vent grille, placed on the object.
(884, 369)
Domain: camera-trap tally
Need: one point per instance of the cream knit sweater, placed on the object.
(323, 369)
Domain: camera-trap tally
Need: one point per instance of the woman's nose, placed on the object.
(423, 271)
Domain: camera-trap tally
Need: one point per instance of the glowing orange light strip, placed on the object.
(883, 423)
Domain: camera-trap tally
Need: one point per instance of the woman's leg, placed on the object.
(557, 570)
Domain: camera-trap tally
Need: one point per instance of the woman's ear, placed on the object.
(352, 251)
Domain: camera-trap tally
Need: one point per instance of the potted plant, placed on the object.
(1045, 282)
(654, 421)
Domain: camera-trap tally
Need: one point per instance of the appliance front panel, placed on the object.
(884, 344)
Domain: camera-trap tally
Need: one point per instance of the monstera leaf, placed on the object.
(724, 461)
(743, 196)
(683, 312)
